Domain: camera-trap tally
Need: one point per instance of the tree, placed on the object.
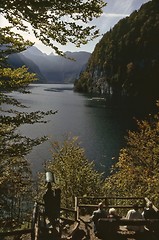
(61, 21)
(136, 172)
(15, 177)
(15, 189)
(133, 40)
(76, 175)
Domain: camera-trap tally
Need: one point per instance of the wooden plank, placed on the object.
(123, 222)
(109, 206)
(17, 232)
(68, 210)
(124, 198)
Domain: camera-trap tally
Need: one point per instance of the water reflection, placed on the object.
(101, 128)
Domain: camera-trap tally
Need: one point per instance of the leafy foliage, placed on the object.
(10, 42)
(15, 177)
(50, 21)
(126, 59)
(76, 175)
(61, 21)
(16, 190)
(136, 172)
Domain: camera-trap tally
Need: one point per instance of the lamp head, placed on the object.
(50, 177)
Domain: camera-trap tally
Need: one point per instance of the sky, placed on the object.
(112, 13)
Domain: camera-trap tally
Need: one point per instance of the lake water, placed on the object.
(100, 128)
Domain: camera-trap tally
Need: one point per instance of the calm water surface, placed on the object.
(100, 128)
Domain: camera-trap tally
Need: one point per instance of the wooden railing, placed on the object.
(122, 204)
(89, 204)
(75, 215)
(38, 222)
(92, 202)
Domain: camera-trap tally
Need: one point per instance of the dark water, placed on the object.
(100, 128)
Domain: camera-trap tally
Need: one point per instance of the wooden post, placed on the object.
(106, 202)
(76, 208)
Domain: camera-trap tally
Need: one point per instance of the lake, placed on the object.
(101, 128)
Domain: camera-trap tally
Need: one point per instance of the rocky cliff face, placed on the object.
(126, 60)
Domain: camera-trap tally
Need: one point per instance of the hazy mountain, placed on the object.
(57, 69)
(18, 60)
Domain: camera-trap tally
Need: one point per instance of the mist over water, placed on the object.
(100, 128)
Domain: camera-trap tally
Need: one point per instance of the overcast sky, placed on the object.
(113, 12)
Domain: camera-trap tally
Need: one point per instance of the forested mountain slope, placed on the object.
(126, 60)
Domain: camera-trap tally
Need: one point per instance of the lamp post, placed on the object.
(52, 199)
(52, 205)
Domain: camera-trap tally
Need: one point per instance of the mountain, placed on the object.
(17, 60)
(57, 69)
(126, 60)
(51, 68)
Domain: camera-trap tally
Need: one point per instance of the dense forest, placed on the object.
(126, 60)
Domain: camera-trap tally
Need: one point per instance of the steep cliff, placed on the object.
(126, 60)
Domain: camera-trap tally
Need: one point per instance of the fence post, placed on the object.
(34, 220)
(76, 208)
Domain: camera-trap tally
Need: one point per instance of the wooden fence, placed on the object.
(74, 215)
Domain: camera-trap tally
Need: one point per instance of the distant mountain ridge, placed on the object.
(17, 60)
(51, 68)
